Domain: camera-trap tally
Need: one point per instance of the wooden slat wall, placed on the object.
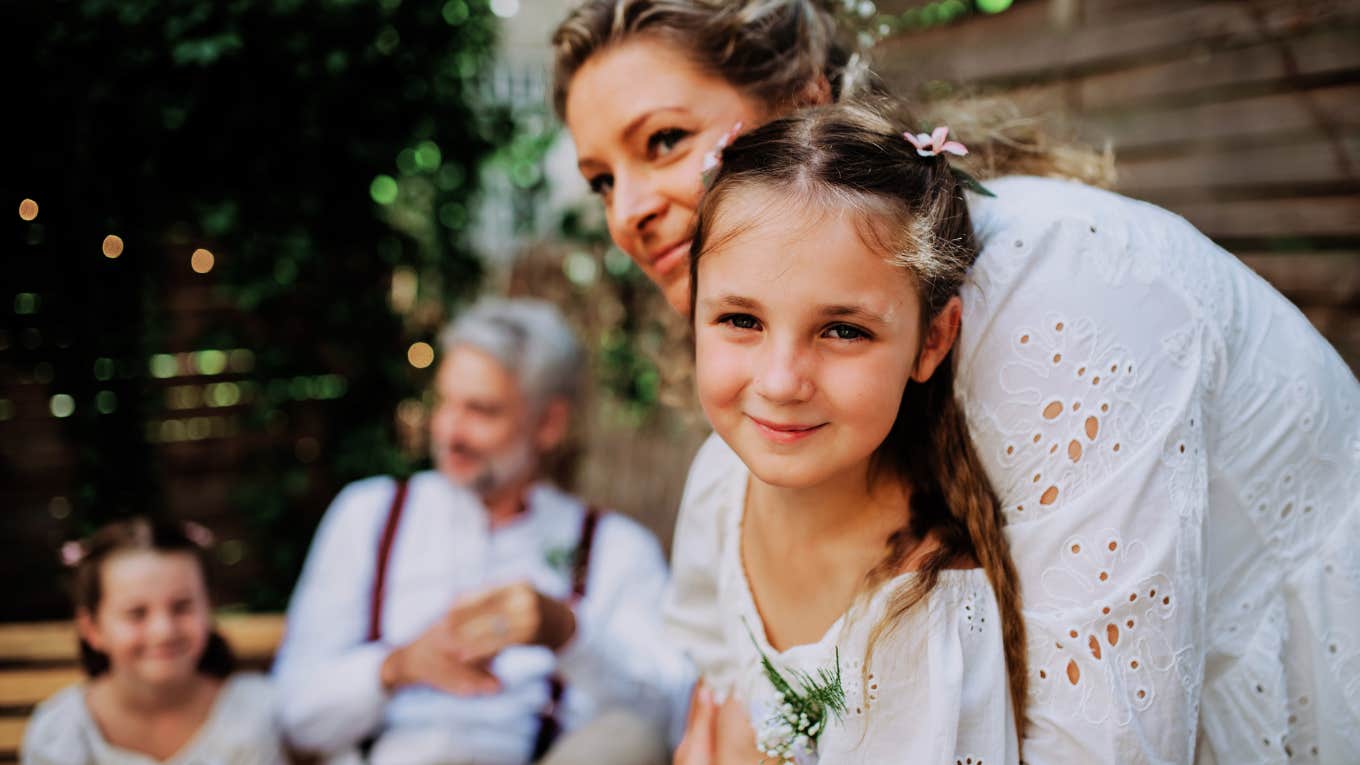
(1242, 116)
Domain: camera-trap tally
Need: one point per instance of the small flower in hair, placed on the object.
(72, 553)
(199, 534)
(931, 144)
(713, 159)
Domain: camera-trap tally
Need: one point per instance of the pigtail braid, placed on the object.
(967, 492)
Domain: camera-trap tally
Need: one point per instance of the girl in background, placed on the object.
(161, 686)
(865, 590)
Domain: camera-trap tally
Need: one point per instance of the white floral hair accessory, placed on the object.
(935, 142)
(199, 534)
(713, 159)
(72, 553)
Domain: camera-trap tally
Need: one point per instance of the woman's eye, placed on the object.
(601, 184)
(739, 321)
(662, 142)
(846, 332)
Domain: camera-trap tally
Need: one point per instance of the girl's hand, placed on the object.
(717, 735)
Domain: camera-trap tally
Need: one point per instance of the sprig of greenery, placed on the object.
(803, 713)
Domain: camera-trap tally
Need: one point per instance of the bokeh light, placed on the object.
(112, 247)
(420, 354)
(62, 405)
(106, 401)
(201, 261)
(163, 365)
(210, 362)
(28, 209)
(383, 189)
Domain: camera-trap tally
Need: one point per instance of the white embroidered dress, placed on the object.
(1177, 452)
(936, 689)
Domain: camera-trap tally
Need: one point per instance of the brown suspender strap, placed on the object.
(389, 535)
(549, 727)
(581, 560)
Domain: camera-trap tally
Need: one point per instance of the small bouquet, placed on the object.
(790, 732)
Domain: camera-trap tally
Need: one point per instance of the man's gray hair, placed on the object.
(530, 338)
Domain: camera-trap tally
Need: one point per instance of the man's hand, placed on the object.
(434, 659)
(516, 614)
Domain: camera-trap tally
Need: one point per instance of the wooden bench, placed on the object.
(39, 659)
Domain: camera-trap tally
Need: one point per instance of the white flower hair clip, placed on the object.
(935, 142)
(72, 553)
(713, 159)
(199, 534)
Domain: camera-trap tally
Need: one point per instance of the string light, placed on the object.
(201, 261)
(62, 405)
(113, 247)
(420, 354)
(28, 209)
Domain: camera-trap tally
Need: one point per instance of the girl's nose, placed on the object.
(785, 374)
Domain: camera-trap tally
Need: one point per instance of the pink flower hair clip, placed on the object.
(933, 143)
(937, 142)
(72, 553)
(199, 534)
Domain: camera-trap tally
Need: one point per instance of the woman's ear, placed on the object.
(815, 93)
(940, 337)
(88, 630)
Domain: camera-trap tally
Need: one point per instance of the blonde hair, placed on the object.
(773, 51)
(912, 209)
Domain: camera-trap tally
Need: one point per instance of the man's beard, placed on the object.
(499, 471)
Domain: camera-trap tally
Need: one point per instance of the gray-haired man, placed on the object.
(465, 615)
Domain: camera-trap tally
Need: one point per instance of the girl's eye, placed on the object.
(739, 321)
(601, 184)
(846, 332)
(136, 614)
(662, 142)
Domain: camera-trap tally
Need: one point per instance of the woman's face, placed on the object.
(643, 118)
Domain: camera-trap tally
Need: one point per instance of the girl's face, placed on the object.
(154, 618)
(643, 118)
(806, 339)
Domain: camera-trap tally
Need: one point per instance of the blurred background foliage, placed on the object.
(326, 155)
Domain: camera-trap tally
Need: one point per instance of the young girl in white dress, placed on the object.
(160, 687)
(868, 598)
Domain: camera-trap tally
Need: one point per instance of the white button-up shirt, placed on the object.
(329, 673)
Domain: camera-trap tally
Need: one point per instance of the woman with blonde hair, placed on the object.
(1174, 448)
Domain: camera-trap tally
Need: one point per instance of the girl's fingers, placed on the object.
(734, 738)
(697, 747)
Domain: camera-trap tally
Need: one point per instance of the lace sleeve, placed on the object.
(1082, 379)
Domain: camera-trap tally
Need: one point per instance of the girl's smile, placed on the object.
(805, 338)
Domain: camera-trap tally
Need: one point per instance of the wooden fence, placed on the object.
(1241, 116)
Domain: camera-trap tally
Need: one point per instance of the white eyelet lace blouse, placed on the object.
(936, 687)
(1177, 452)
